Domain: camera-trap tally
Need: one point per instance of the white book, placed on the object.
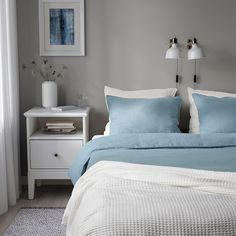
(60, 124)
(60, 127)
(64, 108)
(59, 130)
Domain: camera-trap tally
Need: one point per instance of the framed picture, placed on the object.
(61, 28)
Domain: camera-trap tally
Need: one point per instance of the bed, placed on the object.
(148, 178)
(154, 184)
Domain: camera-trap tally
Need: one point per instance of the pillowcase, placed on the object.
(157, 115)
(216, 115)
(194, 119)
(149, 93)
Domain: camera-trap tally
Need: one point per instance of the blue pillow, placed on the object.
(216, 115)
(138, 115)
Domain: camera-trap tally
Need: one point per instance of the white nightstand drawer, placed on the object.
(53, 154)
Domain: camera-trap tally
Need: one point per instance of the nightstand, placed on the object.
(50, 155)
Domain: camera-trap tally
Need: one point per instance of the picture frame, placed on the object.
(61, 28)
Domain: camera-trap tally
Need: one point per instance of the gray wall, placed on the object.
(125, 48)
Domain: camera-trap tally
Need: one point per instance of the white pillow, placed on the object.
(194, 119)
(149, 93)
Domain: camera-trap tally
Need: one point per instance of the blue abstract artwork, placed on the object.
(62, 27)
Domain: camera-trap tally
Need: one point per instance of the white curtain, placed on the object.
(9, 108)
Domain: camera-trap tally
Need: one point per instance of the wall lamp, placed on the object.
(194, 53)
(173, 52)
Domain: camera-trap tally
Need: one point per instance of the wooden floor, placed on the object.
(46, 196)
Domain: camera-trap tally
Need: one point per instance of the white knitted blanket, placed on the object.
(115, 198)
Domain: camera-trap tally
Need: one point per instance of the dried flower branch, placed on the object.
(45, 70)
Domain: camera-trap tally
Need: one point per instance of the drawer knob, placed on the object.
(55, 155)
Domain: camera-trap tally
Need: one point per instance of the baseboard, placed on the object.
(24, 181)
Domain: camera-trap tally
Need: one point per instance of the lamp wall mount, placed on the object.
(172, 41)
(190, 43)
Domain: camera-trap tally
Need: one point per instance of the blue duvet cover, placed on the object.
(215, 152)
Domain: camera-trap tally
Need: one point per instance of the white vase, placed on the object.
(49, 94)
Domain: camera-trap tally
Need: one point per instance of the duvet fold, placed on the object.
(207, 152)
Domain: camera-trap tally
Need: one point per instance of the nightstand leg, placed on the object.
(31, 186)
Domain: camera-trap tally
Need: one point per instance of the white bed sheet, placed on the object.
(98, 136)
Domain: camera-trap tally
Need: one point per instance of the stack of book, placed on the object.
(60, 127)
